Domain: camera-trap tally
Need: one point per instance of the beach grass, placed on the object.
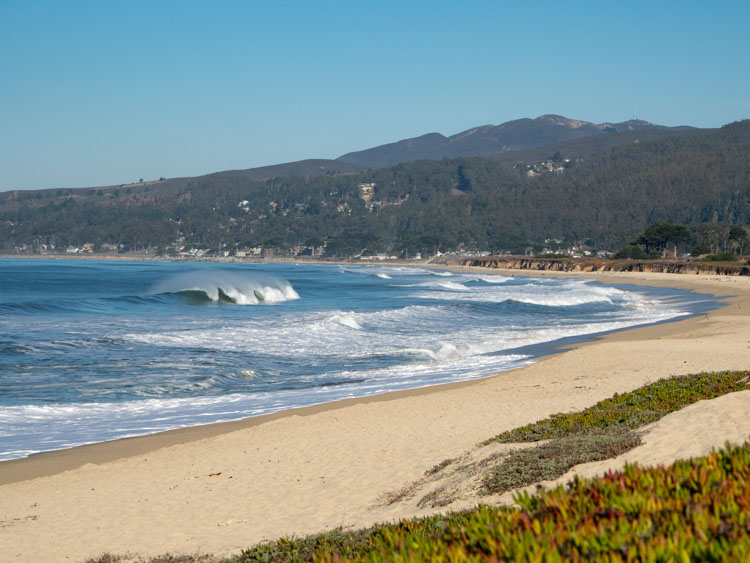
(695, 509)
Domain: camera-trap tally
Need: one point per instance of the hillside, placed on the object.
(167, 186)
(602, 200)
(487, 140)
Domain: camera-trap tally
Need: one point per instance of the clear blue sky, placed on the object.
(108, 91)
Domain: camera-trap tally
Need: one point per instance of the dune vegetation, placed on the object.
(693, 509)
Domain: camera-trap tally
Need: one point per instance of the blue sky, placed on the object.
(110, 91)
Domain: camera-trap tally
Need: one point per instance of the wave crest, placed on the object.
(246, 288)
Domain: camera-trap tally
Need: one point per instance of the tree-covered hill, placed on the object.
(604, 199)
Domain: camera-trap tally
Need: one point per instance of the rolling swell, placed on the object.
(93, 305)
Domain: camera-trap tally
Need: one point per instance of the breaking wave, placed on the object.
(246, 288)
(346, 319)
(454, 286)
(562, 300)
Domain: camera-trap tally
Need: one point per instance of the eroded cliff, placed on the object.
(601, 265)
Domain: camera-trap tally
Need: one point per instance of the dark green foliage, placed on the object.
(656, 238)
(633, 252)
(693, 179)
(634, 409)
(701, 248)
(652, 243)
(721, 257)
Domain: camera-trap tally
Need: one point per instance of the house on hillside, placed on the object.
(366, 191)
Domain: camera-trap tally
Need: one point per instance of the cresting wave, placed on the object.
(238, 288)
(571, 294)
(128, 355)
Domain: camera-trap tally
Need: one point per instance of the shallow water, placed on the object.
(94, 351)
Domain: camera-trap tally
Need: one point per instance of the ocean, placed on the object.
(99, 350)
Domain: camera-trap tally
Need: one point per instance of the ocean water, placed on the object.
(93, 350)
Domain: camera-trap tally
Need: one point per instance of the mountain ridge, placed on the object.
(488, 140)
(601, 191)
(520, 136)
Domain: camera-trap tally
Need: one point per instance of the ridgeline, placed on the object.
(596, 192)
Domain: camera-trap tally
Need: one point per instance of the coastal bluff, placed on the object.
(602, 265)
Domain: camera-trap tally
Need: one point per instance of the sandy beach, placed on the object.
(221, 488)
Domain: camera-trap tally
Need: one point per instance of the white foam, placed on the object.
(455, 286)
(375, 348)
(558, 295)
(562, 300)
(52, 427)
(495, 279)
(242, 288)
(347, 319)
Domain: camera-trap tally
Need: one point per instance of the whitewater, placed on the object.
(94, 350)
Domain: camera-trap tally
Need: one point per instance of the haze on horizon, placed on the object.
(102, 93)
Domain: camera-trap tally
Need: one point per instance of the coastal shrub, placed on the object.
(552, 255)
(603, 431)
(632, 410)
(555, 458)
(720, 257)
(633, 252)
(693, 510)
(701, 248)
(696, 509)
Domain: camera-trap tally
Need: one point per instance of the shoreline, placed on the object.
(329, 466)
(51, 462)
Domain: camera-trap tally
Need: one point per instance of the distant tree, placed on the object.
(656, 238)
(344, 246)
(737, 237)
(633, 252)
(716, 235)
(314, 241)
(701, 248)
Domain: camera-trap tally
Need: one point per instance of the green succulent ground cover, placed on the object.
(693, 510)
(600, 432)
(635, 409)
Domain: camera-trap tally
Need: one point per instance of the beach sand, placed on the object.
(221, 488)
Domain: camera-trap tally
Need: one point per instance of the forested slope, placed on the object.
(475, 203)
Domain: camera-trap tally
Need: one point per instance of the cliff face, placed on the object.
(597, 265)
